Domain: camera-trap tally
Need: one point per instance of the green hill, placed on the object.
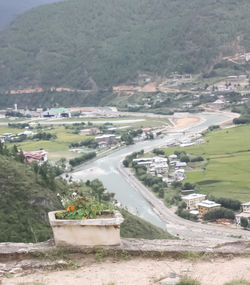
(24, 203)
(86, 44)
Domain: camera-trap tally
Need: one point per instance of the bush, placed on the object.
(158, 151)
(188, 281)
(221, 213)
(227, 203)
(188, 186)
(184, 158)
(186, 214)
(197, 158)
(244, 222)
(82, 159)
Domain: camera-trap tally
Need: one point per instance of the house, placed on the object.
(192, 200)
(91, 131)
(206, 205)
(179, 175)
(158, 168)
(40, 156)
(180, 164)
(241, 215)
(109, 139)
(245, 207)
(172, 157)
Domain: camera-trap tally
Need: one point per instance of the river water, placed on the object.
(106, 170)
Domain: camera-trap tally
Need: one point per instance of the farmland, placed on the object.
(226, 171)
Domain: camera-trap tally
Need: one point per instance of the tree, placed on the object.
(125, 163)
(244, 222)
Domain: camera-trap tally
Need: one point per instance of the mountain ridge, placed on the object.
(95, 45)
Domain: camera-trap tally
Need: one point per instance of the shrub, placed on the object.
(221, 213)
(197, 158)
(244, 222)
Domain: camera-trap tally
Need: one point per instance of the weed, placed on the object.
(125, 255)
(188, 281)
(190, 255)
(238, 282)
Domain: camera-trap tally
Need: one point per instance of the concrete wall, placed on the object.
(90, 232)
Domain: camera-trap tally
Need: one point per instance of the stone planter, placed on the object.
(90, 232)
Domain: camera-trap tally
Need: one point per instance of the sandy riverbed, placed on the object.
(141, 271)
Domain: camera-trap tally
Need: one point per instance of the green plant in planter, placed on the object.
(83, 208)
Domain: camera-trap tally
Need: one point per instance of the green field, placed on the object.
(227, 172)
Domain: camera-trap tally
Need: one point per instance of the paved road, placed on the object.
(185, 229)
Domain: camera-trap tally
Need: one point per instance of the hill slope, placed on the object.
(25, 202)
(81, 44)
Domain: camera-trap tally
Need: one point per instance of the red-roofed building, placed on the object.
(40, 156)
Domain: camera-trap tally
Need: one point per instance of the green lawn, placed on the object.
(227, 173)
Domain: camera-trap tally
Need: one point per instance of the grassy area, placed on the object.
(135, 227)
(227, 172)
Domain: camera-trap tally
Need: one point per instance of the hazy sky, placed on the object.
(9, 9)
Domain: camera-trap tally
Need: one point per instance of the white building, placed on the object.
(192, 200)
(245, 207)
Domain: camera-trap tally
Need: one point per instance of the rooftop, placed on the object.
(209, 204)
(194, 196)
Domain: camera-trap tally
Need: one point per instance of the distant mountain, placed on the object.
(9, 9)
(90, 44)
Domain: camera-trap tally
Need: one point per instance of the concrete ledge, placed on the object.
(103, 231)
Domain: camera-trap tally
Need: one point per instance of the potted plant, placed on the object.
(86, 222)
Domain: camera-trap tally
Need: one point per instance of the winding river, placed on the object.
(106, 168)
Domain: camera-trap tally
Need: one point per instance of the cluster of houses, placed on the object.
(159, 166)
(155, 165)
(9, 137)
(198, 205)
(94, 112)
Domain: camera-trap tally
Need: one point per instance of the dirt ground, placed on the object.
(141, 271)
(183, 122)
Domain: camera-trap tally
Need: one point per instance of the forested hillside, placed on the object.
(28, 192)
(9, 9)
(25, 200)
(84, 43)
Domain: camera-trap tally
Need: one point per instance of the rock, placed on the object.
(15, 270)
(3, 266)
(171, 280)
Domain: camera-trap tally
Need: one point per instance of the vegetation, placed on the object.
(221, 213)
(224, 172)
(135, 227)
(29, 191)
(109, 42)
(188, 281)
(238, 282)
(90, 142)
(83, 158)
(83, 208)
(26, 198)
